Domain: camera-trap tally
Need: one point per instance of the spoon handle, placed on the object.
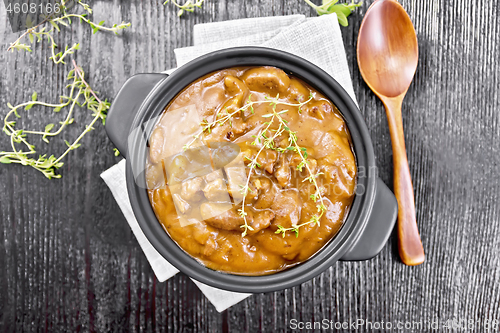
(410, 246)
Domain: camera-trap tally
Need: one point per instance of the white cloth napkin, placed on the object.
(317, 39)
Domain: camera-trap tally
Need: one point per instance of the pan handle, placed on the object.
(379, 226)
(125, 106)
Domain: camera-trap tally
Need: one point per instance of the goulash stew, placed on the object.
(250, 170)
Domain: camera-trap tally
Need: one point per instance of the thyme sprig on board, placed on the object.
(188, 6)
(38, 32)
(343, 10)
(80, 94)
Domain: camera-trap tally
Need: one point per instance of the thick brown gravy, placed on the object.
(199, 206)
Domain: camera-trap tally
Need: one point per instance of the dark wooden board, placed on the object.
(69, 262)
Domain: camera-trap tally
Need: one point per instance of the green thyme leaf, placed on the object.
(49, 127)
(5, 160)
(65, 20)
(80, 89)
(330, 6)
(188, 6)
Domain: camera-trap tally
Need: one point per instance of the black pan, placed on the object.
(143, 98)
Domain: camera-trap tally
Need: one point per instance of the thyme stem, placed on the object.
(188, 6)
(252, 165)
(65, 20)
(48, 165)
(312, 178)
(342, 10)
(207, 126)
(268, 143)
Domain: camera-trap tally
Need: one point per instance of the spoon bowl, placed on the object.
(387, 58)
(387, 42)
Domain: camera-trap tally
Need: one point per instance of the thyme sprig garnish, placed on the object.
(304, 163)
(79, 89)
(343, 10)
(312, 178)
(224, 116)
(267, 143)
(188, 6)
(39, 33)
(266, 139)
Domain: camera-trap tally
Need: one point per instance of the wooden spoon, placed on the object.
(387, 58)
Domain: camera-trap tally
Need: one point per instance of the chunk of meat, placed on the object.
(267, 159)
(191, 189)
(266, 192)
(156, 142)
(238, 90)
(297, 91)
(212, 98)
(329, 144)
(239, 126)
(156, 177)
(269, 80)
(236, 179)
(176, 169)
(223, 216)
(216, 190)
(235, 86)
(214, 175)
(282, 173)
(318, 109)
(330, 172)
(231, 105)
(313, 165)
(295, 161)
(223, 153)
(181, 205)
(261, 220)
(336, 184)
(346, 163)
(201, 232)
(286, 207)
(210, 247)
(290, 256)
(165, 195)
(178, 128)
